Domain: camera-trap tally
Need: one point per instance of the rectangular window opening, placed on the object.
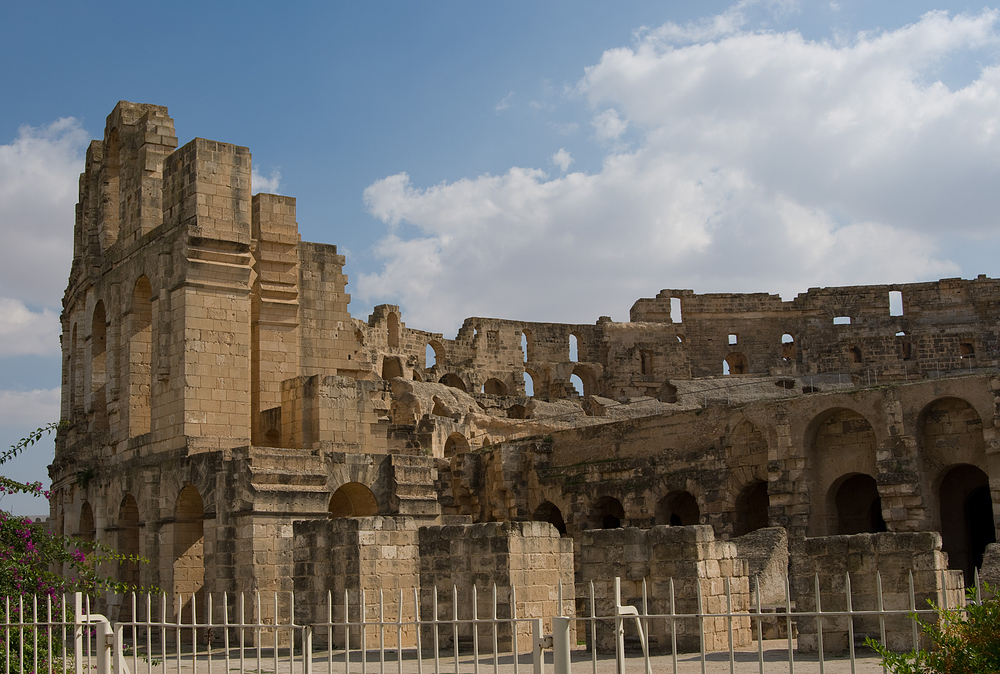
(675, 309)
(732, 339)
(842, 320)
(895, 303)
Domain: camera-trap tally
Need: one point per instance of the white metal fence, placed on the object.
(401, 633)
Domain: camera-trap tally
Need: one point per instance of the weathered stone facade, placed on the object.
(216, 389)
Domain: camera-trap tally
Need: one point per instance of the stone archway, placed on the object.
(966, 518)
(353, 499)
(857, 504)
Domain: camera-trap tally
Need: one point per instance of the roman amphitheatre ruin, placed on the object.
(228, 419)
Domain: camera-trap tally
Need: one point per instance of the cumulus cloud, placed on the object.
(39, 173)
(562, 159)
(504, 102)
(27, 332)
(761, 161)
(269, 185)
(608, 126)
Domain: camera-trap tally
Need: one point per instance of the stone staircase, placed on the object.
(286, 470)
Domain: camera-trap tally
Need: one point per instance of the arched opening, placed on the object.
(98, 367)
(735, 363)
(87, 530)
(128, 540)
(391, 368)
(576, 387)
(607, 513)
(140, 357)
(453, 380)
(517, 412)
(574, 351)
(527, 345)
(646, 363)
(529, 384)
(495, 387)
(189, 551)
(548, 512)
(966, 349)
(430, 356)
(787, 347)
(392, 330)
(455, 444)
(855, 353)
(967, 525)
(353, 499)
(858, 505)
(678, 509)
(72, 370)
(751, 508)
(843, 444)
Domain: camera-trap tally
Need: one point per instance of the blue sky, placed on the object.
(529, 160)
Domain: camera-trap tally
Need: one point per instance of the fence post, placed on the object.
(105, 643)
(537, 644)
(307, 648)
(78, 632)
(560, 645)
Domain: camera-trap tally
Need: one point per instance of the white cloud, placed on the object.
(26, 332)
(39, 173)
(268, 185)
(22, 409)
(562, 159)
(504, 102)
(762, 161)
(608, 126)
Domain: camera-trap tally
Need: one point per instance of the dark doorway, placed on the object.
(966, 518)
(859, 507)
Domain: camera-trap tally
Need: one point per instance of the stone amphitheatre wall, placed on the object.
(216, 390)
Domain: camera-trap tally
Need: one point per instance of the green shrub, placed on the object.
(963, 641)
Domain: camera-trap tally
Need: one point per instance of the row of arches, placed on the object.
(137, 375)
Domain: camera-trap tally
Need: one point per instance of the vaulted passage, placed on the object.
(549, 512)
(189, 549)
(678, 509)
(859, 507)
(966, 518)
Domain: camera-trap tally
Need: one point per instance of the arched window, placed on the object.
(677, 509)
(787, 347)
(189, 551)
(453, 380)
(548, 512)
(87, 530)
(576, 385)
(966, 518)
(98, 366)
(735, 363)
(430, 357)
(859, 506)
(527, 345)
(495, 387)
(140, 357)
(856, 354)
(455, 444)
(646, 362)
(353, 499)
(128, 540)
(608, 513)
(574, 352)
(529, 384)
(751, 508)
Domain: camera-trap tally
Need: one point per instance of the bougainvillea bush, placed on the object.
(37, 569)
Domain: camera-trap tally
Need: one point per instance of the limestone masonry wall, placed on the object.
(217, 396)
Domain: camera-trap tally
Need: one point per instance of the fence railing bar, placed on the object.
(729, 624)
(347, 634)
(881, 616)
(496, 635)
(454, 625)
(673, 628)
(701, 626)
(760, 628)
(416, 616)
(788, 626)
(819, 624)
(475, 630)
(850, 621)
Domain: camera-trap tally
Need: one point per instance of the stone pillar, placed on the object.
(531, 556)
(866, 556)
(691, 558)
(274, 309)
